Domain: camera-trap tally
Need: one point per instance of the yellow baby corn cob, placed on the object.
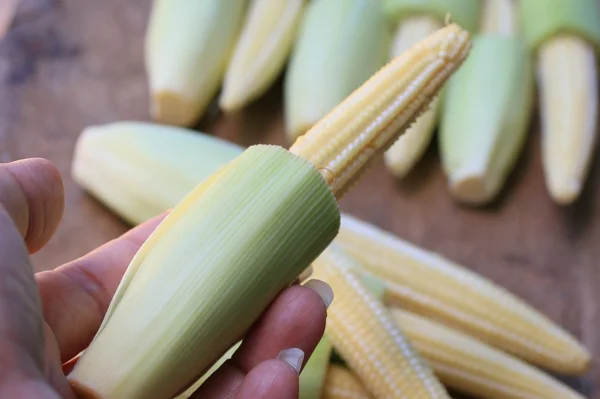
(261, 51)
(170, 318)
(409, 148)
(414, 20)
(480, 141)
(470, 366)
(340, 44)
(565, 34)
(188, 46)
(341, 383)
(432, 286)
(366, 336)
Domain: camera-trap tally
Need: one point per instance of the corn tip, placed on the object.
(171, 108)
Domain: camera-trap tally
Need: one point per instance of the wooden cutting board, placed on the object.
(68, 64)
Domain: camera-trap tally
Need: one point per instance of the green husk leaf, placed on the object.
(466, 13)
(543, 19)
(208, 272)
(485, 115)
(312, 377)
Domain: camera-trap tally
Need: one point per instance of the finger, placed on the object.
(21, 332)
(272, 379)
(75, 296)
(296, 319)
(32, 192)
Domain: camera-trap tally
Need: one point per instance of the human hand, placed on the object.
(48, 318)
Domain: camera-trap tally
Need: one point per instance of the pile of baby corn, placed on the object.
(245, 223)
(331, 47)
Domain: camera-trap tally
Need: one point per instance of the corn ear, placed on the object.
(470, 366)
(565, 34)
(409, 148)
(341, 383)
(480, 141)
(568, 86)
(324, 69)
(430, 285)
(141, 169)
(312, 378)
(188, 45)
(170, 318)
(466, 13)
(261, 51)
(365, 335)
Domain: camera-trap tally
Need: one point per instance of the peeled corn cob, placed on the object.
(470, 366)
(341, 383)
(565, 34)
(416, 20)
(366, 336)
(432, 286)
(480, 140)
(239, 224)
(341, 43)
(188, 46)
(261, 51)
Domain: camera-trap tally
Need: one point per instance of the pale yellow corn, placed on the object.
(341, 383)
(430, 285)
(366, 336)
(367, 122)
(261, 51)
(470, 366)
(568, 85)
(409, 148)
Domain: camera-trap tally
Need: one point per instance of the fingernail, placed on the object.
(323, 289)
(293, 356)
(306, 273)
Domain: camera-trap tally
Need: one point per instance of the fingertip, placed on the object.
(42, 187)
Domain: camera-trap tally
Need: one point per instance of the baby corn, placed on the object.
(434, 287)
(341, 383)
(480, 141)
(366, 336)
(470, 366)
(565, 34)
(170, 319)
(261, 51)
(188, 45)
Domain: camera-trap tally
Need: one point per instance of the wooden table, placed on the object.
(72, 63)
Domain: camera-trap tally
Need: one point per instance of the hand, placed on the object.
(46, 319)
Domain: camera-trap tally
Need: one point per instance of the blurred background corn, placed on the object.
(434, 287)
(414, 20)
(565, 35)
(312, 377)
(261, 51)
(487, 109)
(469, 366)
(341, 43)
(341, 383)
(367, 338)
(188, 47)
